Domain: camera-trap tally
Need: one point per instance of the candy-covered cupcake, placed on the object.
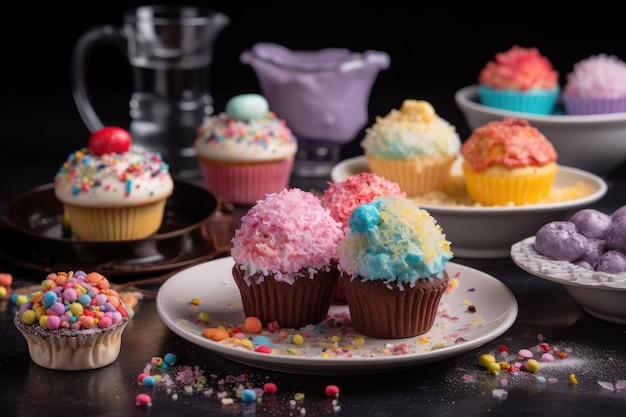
(413, 147)
(246, 151)
(597, 85)
(284, 253)
(73, 322)
(392, 263)
(508, 162)
(519, 79)
(113, 190)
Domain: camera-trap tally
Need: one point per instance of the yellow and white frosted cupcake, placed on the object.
(508, 162)
(112, 190)
(413, 147)
(245, 152)
(392, 262)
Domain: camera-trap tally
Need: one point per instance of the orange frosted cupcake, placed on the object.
(519, 79)
(413, 147)
(508, 162)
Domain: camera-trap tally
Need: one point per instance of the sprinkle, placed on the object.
(270, 388)
(573, 380)
(194, 301)
(253, 325)
(248, 395)
(331, 391)
(143, 400)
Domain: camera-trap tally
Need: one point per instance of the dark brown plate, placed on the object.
(194, 230)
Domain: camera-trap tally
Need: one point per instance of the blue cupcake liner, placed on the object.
(535, 100)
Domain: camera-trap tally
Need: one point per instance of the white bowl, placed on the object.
(600, 294)
(489, 232)
(594, 143)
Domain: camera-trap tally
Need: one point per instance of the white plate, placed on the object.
(602, 295)
(213, 285)
(489, 232)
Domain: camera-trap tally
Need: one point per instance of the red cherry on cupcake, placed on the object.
(109, 139)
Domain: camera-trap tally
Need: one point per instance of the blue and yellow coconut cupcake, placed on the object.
(392, 263)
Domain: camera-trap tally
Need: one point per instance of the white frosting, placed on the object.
(113, 180)
(265, 138)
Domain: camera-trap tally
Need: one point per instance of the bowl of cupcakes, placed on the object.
(585, 119)
(494, 189)
(585, 253)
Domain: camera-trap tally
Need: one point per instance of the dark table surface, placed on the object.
(32, 146)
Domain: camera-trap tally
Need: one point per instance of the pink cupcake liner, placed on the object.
(246, 184)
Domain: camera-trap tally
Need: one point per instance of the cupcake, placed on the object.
(519, 79)
(413, 147)
(392, 268)
(597, 85)
(342, 197)
(284, 253)
(113, 190)
(73, 322)
(245, 152)
(508, 162)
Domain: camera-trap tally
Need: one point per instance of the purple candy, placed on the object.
(560, 240)
(584, 264)
(591, 223)
(619, 212)
(616, 235)
(593, 250)
(612, 262)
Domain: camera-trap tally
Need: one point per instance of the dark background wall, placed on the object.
(435, 47)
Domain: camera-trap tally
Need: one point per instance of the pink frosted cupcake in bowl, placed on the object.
(245, 152)
(597, 85)
(519, 79)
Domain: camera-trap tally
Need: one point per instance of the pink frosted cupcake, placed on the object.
(342, 197)
(245, 152)
(519, 79)
(284, 254)
(597, 85)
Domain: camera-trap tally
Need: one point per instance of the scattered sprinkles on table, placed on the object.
(163, 375)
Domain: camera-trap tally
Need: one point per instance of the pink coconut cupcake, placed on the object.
(342, 197)
(519, 79)
(245, 152)
(284, 253)
(597, 85)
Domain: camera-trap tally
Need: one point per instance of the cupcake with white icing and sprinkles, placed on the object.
(245, 152)
(113, 190)
(73, 322)
(392, 268)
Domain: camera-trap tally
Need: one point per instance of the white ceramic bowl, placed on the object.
(594, 143)
(489, 232)
(600, 294)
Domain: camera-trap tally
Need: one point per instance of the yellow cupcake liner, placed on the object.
(414, 175)
(115, 223)
(502, 189)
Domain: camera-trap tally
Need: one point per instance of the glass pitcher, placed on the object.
(170, 51)
(323, 96)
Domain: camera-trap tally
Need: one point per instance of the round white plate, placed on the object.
(456, 330)
(489, 232)
(602, 295)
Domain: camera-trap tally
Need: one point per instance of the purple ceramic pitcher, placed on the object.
(323, 96)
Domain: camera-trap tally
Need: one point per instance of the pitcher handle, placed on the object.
(78, 72)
